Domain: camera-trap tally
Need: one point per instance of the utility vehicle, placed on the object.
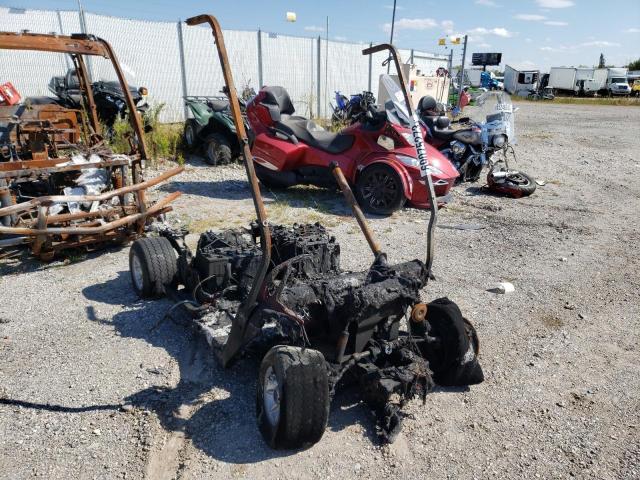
(322, 327)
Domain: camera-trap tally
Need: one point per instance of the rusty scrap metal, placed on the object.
(239, 331)
(36, 147)
(357, 211)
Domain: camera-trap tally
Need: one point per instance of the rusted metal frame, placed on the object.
(357, 212)
(238, 332)
(28, 172)
(41, 223)
(134, 117)
(85, 85)
(10, 169)
(48, 200)
(71, 217)
(433, 206)
(128, 220)
(50, 43)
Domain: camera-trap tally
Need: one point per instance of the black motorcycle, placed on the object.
(108, 97)
(485, 139)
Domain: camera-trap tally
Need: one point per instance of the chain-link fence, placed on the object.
(173, 60)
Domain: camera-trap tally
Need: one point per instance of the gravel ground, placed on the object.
(93, 385)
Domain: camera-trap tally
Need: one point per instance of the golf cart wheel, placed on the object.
(218, 150)
(292, 402)
(379, 190)
(153, 266)
(515, 184)
(190, 134)
(268, 179)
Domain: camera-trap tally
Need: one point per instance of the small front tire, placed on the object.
(218, 150)
(292, 401)
(190, 134)
(153, 266)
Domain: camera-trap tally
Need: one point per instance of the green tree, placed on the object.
(635, 65)
(601, 63)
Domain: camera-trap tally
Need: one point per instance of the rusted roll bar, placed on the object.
(239, 328)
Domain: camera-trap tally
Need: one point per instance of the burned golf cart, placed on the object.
(61, 186)
(324, 327)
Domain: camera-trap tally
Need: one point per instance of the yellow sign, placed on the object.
(455, 41)
(442, 41)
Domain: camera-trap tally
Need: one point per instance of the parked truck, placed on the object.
(612, 81)
(520, 82)
(576, 81)
(589, 81)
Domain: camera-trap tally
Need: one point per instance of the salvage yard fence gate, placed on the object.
(173, 60)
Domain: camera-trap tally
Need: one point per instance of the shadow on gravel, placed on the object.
(215, 408)
(57, 408)
(212, 406)
(25, 262)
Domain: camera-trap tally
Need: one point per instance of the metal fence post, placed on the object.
(183, 68)
(319, 72)
(66, 57)
(370, 68)
(83, 28)
(260, 80)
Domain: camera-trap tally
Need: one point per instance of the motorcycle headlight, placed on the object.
(408, 161)
(499, 141)
(458, 148)
(143, 91)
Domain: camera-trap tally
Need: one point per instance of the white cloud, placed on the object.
(531, 17)
(555, 3)
(632, 30)
(564, 48)
(486, 3)
(314, 28)
(555, 23)
(484, 45)
(398, 7)
(528, 40)
(340, 39)
(411, 24)
(447, 26)
(498, 31)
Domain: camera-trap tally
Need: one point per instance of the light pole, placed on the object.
(393, 22)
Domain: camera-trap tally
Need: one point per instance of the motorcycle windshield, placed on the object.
(495, 111)
(395, 107)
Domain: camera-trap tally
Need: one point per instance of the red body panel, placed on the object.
(282, 155)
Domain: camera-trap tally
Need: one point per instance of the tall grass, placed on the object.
(164, 141)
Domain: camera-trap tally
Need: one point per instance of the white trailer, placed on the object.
(518, 82)
(570, 79)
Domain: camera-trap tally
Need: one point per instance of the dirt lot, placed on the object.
(93, 386)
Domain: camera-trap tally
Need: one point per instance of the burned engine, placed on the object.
(355, 319)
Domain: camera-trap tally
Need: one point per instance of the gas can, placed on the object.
(8, 94)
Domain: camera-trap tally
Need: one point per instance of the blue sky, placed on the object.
(529, 33)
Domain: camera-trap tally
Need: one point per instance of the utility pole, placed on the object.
(393, 22)
(326, 68)
(464, 57)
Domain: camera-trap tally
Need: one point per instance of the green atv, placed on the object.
(211, 130)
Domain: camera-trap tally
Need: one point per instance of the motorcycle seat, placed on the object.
(218, 105)
(308, 132)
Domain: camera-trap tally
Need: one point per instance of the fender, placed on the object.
(407, 182)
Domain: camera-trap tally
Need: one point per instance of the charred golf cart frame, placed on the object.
(281, 290)
(37, 143)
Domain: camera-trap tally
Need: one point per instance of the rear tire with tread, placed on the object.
(153, 266)
(303, 397)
